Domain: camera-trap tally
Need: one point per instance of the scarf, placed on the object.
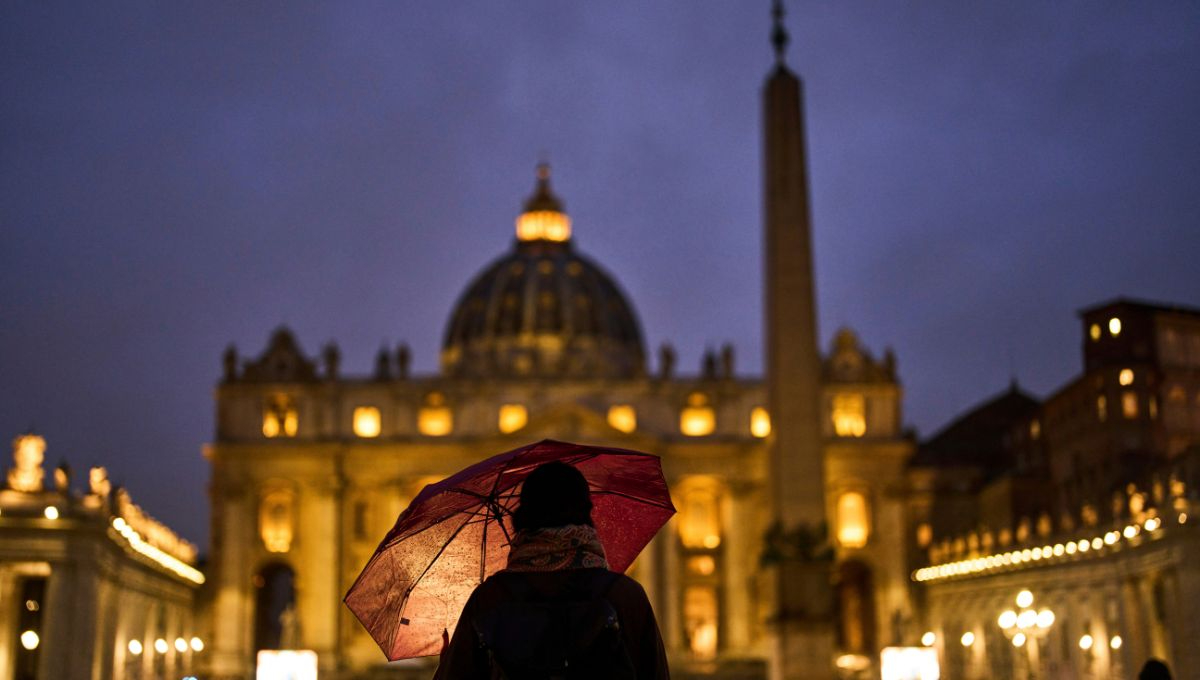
(575, 546)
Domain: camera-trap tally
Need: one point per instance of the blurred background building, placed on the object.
(90, 586)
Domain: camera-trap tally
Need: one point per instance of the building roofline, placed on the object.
(1146, 305)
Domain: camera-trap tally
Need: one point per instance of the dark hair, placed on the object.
(1154, 670)
(554, 495)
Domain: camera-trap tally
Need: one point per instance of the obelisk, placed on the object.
(803, 619)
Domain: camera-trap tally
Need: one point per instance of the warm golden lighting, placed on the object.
(1086, 642)
(435, 421)
(135, 647)
(50, 512)
(1094, 331)
(543, 225)
(197, 644)
(700, 621)
(1114, 326)
(924, 535)
(367, 422)
(697, 418)
(1125, 377)
(30, 640)
(1102, 408)
(622, 417)
(704, 565)
(181, 645)
(760, 422)
(276, 522)
(849, 415)
(1116, 642)
(1018, 640)
(928, 638)
(512, 418)
(852, 520)
(1129, 404)
(700, 516)
(968, 639)
(160, 646)
(1008, 619)
(280, 418)
(1024, 598)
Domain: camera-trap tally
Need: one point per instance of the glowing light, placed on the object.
(853, 662)
(849, 419)
(435, 421)
(135, 647)
(1086, 642)
(1024, 598)
(1027, 619)
(622, 417)
(928, 638)
(760, 422)
(1018, 640)
(1183, 518)
(852, 514)
(287, 663)
(908, 663)
(1114, 326)
(1115, 642)
(1045, 618)
(50, 512)
(512, 417)
(164, 559)
(367, 422)
(967, 639)
(543, 225)
(1097, 543)
(30, 640)
(1094, 331)
(1125, 377)
(181, 645)
(1059, 549)
(1071, 548)
(197, 644)
(1130, 531)
(1111, 537)
(1008, 619)
(1129, 404)
(697, 421)
(703, 565)
(160, 646)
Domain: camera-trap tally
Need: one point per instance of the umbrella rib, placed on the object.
(631, 497)
(441, 550)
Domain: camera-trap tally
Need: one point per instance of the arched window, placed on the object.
(700, 518)
(697, 418)
(276, 520)
(435, 419)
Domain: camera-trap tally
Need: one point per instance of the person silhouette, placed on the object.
(1154, 669)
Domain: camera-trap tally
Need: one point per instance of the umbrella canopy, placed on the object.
(456, 533)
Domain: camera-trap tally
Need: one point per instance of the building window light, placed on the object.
(135, 647)
(367, 422)
(512, 417)
(30, 640)
(1102, 408)
(280, 418)
(160, 646)
(435, 418)
(1129, 404)
(276, 522)
(849, 415)
(622, 417)
(760, 422)
(1094, 332)
(1125, 377)
(700, 621)
(853, 525)
(700, 518)
(697, 418)
(1114, 326)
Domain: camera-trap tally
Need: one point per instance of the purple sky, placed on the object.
(177, 176)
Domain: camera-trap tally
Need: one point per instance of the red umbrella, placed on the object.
(456, 532)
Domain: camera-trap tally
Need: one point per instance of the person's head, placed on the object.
(1154, 670)
(554, 495)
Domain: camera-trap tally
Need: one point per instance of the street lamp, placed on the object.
(1026, 625)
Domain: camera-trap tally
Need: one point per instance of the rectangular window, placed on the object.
(849, 415)
(1129, 405)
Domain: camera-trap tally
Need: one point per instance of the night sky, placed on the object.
(178, 176)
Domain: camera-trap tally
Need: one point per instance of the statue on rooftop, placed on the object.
(29, 450)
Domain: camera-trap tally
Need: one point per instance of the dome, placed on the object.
(543, 309)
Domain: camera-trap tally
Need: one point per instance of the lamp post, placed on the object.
(1026, 626)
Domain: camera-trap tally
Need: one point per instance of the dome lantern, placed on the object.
(543, 218)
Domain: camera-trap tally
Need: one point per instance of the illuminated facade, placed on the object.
(90, 586)
(1061, 536)
(311, 467)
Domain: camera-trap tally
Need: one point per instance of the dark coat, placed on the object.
(465, 659)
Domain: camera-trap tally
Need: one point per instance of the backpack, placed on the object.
(570, 635)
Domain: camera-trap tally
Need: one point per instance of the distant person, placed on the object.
(555, 611)
(1154, 670)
